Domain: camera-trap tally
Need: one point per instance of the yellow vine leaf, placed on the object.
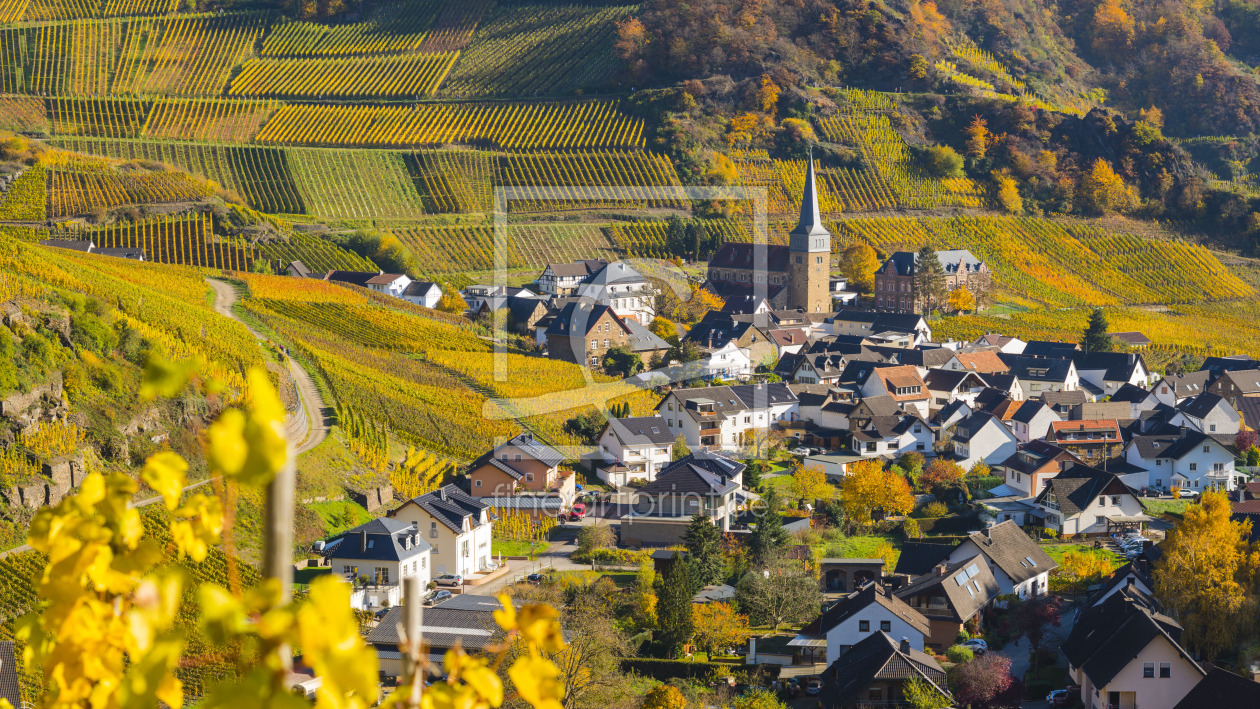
(329, 636)
(537, 681)
(165, 472)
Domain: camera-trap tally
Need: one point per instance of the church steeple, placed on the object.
(810, 234)
(809, 247)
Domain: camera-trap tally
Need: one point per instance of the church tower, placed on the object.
(809, 247)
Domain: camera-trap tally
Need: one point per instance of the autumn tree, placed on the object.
(960, 299)
(778, 591)
(768, 95)
(809, 483)
(1113, 28)
(1206, 576)
(978, 136)
(664, 696)
(941, 472)
(982, 681)
(451, 302)
(718, 626)
(1032, 617)
(1095, 338)
(1006, 192)
(643, 600)
(922, 694)
(869, 486)
(631, 43)
(941, 161)
(928, 279)
(858, 263)
(704, 547)
(1102, 191)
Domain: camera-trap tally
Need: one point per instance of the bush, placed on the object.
(934, 509)
(956, 525)
(959, 655)
(911, 528)
(665, 670)
(610, 557)
(941, 161)
(961, 637)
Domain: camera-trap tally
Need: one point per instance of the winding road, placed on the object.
(310, 426)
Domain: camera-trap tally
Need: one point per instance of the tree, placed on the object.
(928, 280)
(680, 448)
(718, 626)
(961, 299)
(1244, 441)
(596, 536)
(753, 473)
(674, 607)
(697, 238)
(1113, 28)
(979, 469)
(941, 471)
(643, 604)
(451, 302)
(769, 536)
(665, 329)
(858, 263)
(1032, 617)
(1006, 192)
(664, 696)
(778, 591)
(758, 698)
(676, 235)
(1206, 576)
(704, 548)
(983, 680)
(918, 67)
(768, 95)
(942, 161)
(923, 694)
(1103, 191)
(809, 483)
(978, 136)
(623, 362)
(1095, 337)
(869, 487)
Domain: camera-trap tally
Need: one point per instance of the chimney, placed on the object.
(905, 645)
(940, 569)
(362, 541)
(442, 493)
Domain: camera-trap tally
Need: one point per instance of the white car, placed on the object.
(800, 451)
(1188, 493)
(977, 646)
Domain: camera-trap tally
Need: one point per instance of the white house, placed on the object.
(1175, 388)
(1191, 459)
(869, 610)
(1208, 413)
(1107, 372)
(392, 284)
(456, 525)
(945, 386)
(423, 293)
(728, 362)
(1031, 421)
(634, 449)
(701, 483)
(1018, 564)
(892, 436)
(1009, 345)
(562, 279)
(375, 557)
(982, 437)
(623, 289)
(1085, 500)
(1038, 375)
(726, 417)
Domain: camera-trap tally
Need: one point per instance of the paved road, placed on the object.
(313, 407)
(1018, 651)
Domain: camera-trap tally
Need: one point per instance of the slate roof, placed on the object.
(643, 339)
(1107, 637)
(1039, 369)
(358, 278)
(1233, 363)
(1029, 410)
(1051, 349)
(577, 269)
(1130, 394)
(882, 405)
(84, 245)
(882, 427)
(948, 380)
(1175, 446)
(918, 558)
(421, 288)
(1219, 689)
(577, 318)
(1116, 366)
(1011, 550)
(1132, 339)
(1200, 405)
(1075, 488)
(948, 411)
(1034, 455)
(641, 430)
(450, 506)
(444, 625)
(925, 357)
(716, 329)
(1249, 409)
(951, 260)
(736, 255)
(699, 473)
(968, 585)
(381, 539)
(614, 273)
(971, 426)
(989, 399)
(787, 364)
(9, 687)
(1188, 384)
(880, 321)
(876, 658)
(859, 600)
(1063, 400)
(135, 254)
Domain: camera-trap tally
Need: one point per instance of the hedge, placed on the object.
(664, 670)
(954, 524)
(612, 557)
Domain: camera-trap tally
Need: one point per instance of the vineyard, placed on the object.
(391, 28)
(648, 239)
(420, 472)
(72, 193)
(614, 171)
(206, 119)
(187, 241)
(539, 49)
(315, 253)
(442, 251)
(408, 76)
(27, 197)
(360, 184)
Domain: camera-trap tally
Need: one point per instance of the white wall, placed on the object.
(993, 444)
(1153, 692)
(847, 633)
(651, 457)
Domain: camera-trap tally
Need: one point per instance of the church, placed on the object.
(796, 276)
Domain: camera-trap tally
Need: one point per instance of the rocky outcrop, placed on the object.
(15, 405)
(11, 314)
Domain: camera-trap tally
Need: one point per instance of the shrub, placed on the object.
(935, 509)
(959, 655)
(911, 528)
(942, 161)
(1038, 688)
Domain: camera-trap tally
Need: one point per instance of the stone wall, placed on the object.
(373, 498)
(16, 404)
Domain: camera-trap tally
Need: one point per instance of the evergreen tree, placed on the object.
(929, 279)
(676, 235)
(674, 607)
(769, 536)
(1096, 338)
(704, 545)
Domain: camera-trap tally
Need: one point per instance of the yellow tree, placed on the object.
(717, 625)
(665, 329)
(1113, 28)
(961, 299)
(809, 483)
(869, 487)
(858, 263)
(1006, 192)
(451, 302)
(977, 137)
(768, 94)
(1206, 576)
(1102, 190)
(664, 696)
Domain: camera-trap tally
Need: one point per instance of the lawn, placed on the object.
(1057, 551)
(340, 515)
(783, 484)
(1156, 508)
(859, 547)
(516, 547)
(307, 575)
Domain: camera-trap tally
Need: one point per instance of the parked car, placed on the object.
(381, 613)
(813, 686)
(977, 646)
(1150, 492)
(436, 596)
(450, 580)
(578, 512)
(800, 451)
(534, 579)
(1059, 698)
(1188, 493)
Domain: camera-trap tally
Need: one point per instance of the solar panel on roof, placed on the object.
(972, 570)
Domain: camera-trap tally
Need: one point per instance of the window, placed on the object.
(885, 625)
(1099, 519)
(919, 447)
(1212, 428)
(503, 457)
(432, 530)
(476, 483)
(529, 477)
(1102, 502)
(424, 560)
(1165, 670)
(517, 458)
(1205, 448)
(1194, 467)
(864, 626)
(382, 574)
(1148, 669)
(818, 259)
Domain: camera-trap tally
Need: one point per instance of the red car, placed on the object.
(578, 512)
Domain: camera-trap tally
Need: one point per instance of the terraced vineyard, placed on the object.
(452, 181)
(399, 77)
(361, 184)
(187, 241)
(612, 170)
(206, 119)
(539, 49)
(71, 193)
(391, 28)
(319, 255)
(442, 251)
(647, 239)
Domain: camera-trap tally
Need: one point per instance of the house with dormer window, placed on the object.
(520, 465)
(1189, 459)
(1091, 440)
(701, 483)
(455, 525)
(1176, 388)
(634, 449)
(892, 436)
(1085, 500)
(1208, 413)
(375, 557)
(724, 417)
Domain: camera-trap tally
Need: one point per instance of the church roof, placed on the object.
(810, 223)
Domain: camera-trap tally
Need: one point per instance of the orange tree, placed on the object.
(869, 486)
(717, 625)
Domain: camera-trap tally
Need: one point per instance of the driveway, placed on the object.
(1018, 651)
